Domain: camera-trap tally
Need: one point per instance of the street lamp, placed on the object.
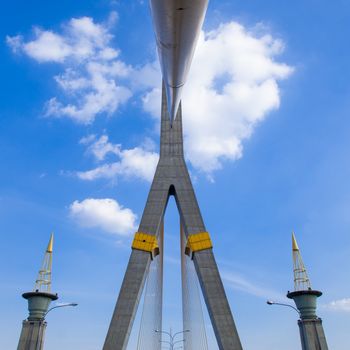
(60, 305)
(270, 302)
(172, 337)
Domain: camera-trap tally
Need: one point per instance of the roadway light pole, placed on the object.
(270, 302)
(172, 337)
(60, 305)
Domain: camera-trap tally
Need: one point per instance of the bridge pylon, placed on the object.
(172, 179)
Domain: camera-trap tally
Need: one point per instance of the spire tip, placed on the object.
(294, 242)
(50, 245)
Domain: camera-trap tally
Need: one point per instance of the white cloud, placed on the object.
(48, 47)
(338, 305)
(14, 42)
(87, 139)
(240, 283)
(92, 72)
(106, 214)
(139, 162)
(233, 85)
(101, 147)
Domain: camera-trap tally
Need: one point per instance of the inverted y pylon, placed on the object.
(171, 178)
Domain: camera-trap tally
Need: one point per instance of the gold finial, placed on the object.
(294, 243)
(50, 245)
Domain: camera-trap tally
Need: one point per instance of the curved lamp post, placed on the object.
(270, 302)
(172, 337)
(60, 305)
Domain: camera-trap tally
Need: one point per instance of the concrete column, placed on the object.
(32, 335)
(312, 335)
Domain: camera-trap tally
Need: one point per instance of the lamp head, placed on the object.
(66, 304)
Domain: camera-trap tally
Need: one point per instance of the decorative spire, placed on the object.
(301, 279)
(43, 283)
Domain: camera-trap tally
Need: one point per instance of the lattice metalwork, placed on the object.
(43, 282)
(301, 278)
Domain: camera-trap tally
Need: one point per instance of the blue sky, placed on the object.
(267, 143)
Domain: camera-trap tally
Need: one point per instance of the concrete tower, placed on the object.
(172, 179)
(305, 298)
(33, 328)
(177, 25)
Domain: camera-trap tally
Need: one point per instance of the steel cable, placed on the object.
(151, 319)
(193, 319)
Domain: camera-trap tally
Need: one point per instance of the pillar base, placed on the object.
(32, 335)
(312, 335)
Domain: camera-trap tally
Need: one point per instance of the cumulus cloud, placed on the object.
(233, 85)
(106, 214)
(139, 162)
(81, 39)
(339, 305)
(92, 75)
